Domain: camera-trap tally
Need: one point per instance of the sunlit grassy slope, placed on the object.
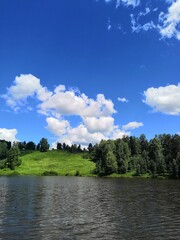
(63, 163)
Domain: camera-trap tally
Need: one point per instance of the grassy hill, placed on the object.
(57, 162)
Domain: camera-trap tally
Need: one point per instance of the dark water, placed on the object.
(88, 208)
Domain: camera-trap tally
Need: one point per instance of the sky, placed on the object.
(79, 71)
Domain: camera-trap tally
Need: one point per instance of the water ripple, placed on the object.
(88, 208)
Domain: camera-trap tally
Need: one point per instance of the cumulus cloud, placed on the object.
(80, 135)
(8, 134)
(164, 99)
(118, 133)
(96, 115)
(68, 102)
(132, 125)
(169, 22)
(57, 126)
(24, 86)
(124, 100)
(102, 124)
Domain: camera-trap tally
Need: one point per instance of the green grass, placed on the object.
(60, 162)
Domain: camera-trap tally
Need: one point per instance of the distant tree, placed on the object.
(79, 149)
(122, 155)
(38, 147)
(22, 145)
(175, 145)
(43, 145)
(134, 146)
(106, 163)
(90, 147)
(166, 142)
(143, 143)
(13, 157)
(157, 163)
(73, 148)
(31, 146)
(3, 150)
(59, 146)
(64, 146)
(7, 142)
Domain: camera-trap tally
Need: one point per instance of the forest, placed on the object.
(159, 156)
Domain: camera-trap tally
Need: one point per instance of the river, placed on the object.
(81, 208)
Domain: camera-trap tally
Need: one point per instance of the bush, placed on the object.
(77, 173)
(50, 173)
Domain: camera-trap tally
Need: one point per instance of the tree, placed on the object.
(13, 157)
(157, 163)
(90, 147)
(122, 155)
(43, 145)
(134, 146)
(143, 143)
(166, 142)
(3, 150)
(59, 146)
(22, 146)
(106, 163)
(31, 146)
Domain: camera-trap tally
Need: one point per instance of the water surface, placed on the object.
(88, 208)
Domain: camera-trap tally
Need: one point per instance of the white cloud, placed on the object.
(132, 125)
(118, 133)
(164, 99)
(57, 126)
(136, 27)
(96, 115)
(146, 12)
(103, 124)
(70, 103)
(24, 86)
(133, 3)
(80, 135)
(124, 100)
(127, 3)
(169, 22)
(8, 134)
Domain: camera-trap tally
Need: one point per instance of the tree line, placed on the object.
(158, 156)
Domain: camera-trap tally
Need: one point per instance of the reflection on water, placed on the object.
(88, 208)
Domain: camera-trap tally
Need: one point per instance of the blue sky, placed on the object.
(78, 71)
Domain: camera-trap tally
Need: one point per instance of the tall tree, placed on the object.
(43, 145)
(106, 163)
(122, 155)
(134, 146)
(3, 150)
(13, 157)
(157, 163)
(59, 146)
(31, 146)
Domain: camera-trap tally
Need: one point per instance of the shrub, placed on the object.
(50, 173)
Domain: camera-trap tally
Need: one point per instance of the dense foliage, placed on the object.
(13, 157)
(159, 156)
